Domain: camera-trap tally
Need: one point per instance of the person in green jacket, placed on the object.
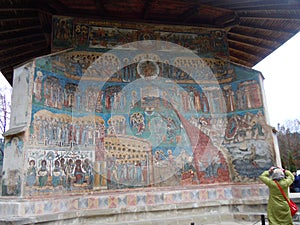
(278, 208)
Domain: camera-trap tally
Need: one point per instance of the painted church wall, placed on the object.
(121, 111)
(21, 97)
(13, 163)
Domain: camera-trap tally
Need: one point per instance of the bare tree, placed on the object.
(5, 104)
(289, 144)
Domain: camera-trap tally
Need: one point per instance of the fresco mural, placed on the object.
(162, 109)
(101, 137)
(11, 181)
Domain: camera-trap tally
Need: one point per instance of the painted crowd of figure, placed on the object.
(116, 168)
(50, 130)
(71, 174)
(51, 93)
(63, 173)
(127, 173)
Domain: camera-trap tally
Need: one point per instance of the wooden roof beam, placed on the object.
(52, 7)
(250, 5)
(146, 8)
(247, 40)
(270, 14)
(227, 4)
(83, 14)
(245, 55)
(13, 8)
(251, 49)
(100, 7)
(46, 22)
(22, 57)
(229, 20)
(290, 28)
(8, 43)
(15, 38)
(283, 6)
(189, 13)
(239, 61)
(272, 19)
(17, 6)
(12, 19)
(19, 29)
(26, 33)
(11, 50)
(258, 31)
(8, 73)
(18, 14)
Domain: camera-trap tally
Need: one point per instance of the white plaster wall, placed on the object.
(21, 96)
(274, 136)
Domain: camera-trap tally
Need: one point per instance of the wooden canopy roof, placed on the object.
(255, 27)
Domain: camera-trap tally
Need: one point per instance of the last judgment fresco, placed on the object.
(159, 110)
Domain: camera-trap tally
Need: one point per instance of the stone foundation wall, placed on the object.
(151, 206)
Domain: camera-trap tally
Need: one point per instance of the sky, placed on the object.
(281, 82)
(4, 87)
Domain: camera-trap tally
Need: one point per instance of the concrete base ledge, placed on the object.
(163, 218)
(181, 214)
(202, 205)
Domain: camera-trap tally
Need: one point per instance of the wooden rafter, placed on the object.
(19, 58)
(244, 39)
(20, 38)
(242, 53)
(21, 47)
(19, 29)
(261, 33)
(239, 61)
(241, 56)
(250, 4)
(271, 14)
(189, 13)
(12, 19)
(250, 49)
(267, 24)
(15, 8)
(146, 9)
(100, 7)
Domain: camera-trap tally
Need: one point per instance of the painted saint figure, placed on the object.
(79, 173)
(87, 166)
(31, 173)
(43, 174)
(56, 174)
